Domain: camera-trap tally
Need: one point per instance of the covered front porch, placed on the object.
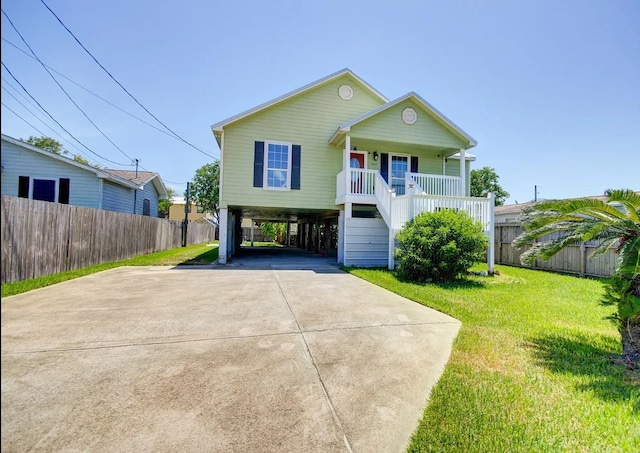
(424, 169)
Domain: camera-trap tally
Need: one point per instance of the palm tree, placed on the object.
(559, 223)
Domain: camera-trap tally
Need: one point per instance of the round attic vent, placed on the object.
(409, 115)
(345, 92)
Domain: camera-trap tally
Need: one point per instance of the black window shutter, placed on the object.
(63, 191)
(414, 164)
(258, 164)
(384, 166)
(23, 187)
(295, 166)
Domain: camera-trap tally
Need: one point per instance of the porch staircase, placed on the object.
(367, 247)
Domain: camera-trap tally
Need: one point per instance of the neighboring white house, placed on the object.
(32, 172)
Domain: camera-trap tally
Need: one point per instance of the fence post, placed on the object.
(583, 258)
(492, 235)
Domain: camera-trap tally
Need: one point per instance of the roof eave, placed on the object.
(218, 127)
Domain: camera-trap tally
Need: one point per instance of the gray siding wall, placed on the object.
(118, 198)
(84, 187)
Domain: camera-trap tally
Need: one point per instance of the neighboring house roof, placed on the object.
(141, 178)
(217, 127)
(126, 178)
(457, 131)
(513, 209)
(100, 173)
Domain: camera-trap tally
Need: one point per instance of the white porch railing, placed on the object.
(384, 195)
(434, 184)
(359, 185)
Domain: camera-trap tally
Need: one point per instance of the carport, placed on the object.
(313, 230)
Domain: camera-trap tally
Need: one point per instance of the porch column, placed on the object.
(222, 235)
(346, 165)
(492, 235)
(463, 173)
(253, 224)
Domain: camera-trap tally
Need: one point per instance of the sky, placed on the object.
(549, 89)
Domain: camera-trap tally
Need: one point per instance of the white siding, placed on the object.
(367, 242)
(17, 161)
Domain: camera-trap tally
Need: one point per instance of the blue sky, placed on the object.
(549, 89)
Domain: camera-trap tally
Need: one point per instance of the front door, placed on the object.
(357, 160)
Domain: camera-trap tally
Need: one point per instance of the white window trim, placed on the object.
(265, 173)
(364, 153)
(32, 180)
(391, 156)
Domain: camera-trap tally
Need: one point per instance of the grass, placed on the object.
(530, 369)
(190, 255)
(261, 244)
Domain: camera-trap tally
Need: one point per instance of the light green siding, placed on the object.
(308, 119)
(389, 126)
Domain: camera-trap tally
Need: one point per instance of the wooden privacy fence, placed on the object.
(41, 238)
(575, 259)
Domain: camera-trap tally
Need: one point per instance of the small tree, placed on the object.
(275, 231)
(485, 181)
(163, 205)
(45, 143)
(439, 246)
(612, 222)
(205, 188)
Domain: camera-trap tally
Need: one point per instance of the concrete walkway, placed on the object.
(251, 356)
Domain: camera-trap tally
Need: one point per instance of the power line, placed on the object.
(121, 86)
(94, 94)
(56, 121)
(37, 130)
(32, 113)
(61, 87)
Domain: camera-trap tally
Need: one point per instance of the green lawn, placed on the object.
(530, 368)
(190, 255)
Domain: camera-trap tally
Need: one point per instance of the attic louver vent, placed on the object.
(345, 92)
(409, 115)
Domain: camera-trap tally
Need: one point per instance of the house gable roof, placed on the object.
(431, 110)
(115, 176)
(141, 178)
(218, 127)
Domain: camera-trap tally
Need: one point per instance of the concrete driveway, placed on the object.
(257, 355)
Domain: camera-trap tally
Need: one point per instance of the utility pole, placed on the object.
(187, 206)
(535, 194)
(137, 161)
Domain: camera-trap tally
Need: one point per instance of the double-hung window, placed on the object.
(277, 164)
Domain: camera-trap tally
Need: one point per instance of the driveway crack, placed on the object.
(315, 367)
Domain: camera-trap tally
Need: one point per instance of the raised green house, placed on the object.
(346, 165)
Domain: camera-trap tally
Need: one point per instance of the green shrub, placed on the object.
(439, 246)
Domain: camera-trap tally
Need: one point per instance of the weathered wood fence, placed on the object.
(41, 238)
(575, 259)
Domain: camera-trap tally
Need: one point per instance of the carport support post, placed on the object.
(222, 235)
(327, 236)
(288, 234)
(253, 224)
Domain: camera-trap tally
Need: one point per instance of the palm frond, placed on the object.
(629, 199)
(630, 257)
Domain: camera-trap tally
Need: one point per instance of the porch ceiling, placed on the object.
(260, 213)
(365, 144)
